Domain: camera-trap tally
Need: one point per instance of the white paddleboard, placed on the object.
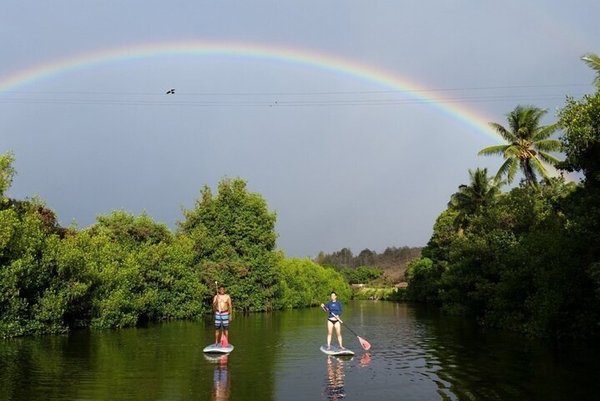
(218, 349)
(334, 350)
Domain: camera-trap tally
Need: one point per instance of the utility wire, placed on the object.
(289, 99)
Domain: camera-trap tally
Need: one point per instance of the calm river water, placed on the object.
(416, 355)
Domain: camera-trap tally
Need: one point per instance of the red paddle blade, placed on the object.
(224, 342)
(364, 343)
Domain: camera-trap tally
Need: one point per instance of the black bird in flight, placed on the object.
(171, 92)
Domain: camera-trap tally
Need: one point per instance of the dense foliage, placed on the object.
(305, 283)
(527, 259)
(125, 270)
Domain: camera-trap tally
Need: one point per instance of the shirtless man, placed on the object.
(223, 309)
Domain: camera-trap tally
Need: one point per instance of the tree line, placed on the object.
(385, 268)
(527, 259)
(125, 270)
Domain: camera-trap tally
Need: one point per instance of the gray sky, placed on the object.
(345, 161)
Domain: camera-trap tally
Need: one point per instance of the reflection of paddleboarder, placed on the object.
(335, 379)
(223, 309)
(221, 380)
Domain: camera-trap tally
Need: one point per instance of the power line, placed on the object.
(289, 99)
(306, 93)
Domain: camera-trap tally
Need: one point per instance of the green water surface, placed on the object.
(416, 355)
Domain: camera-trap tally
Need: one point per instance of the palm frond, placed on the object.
(512, 151)
(545, 131)
(537, 165)
(493, 150)
(505, 170)
(512, 170)
(593, 61)
(548, 158)
(504, 133)
(549, 145)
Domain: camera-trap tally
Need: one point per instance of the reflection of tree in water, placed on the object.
(221, 388)
(335, 379)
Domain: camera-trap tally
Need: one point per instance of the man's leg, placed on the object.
(217, 327)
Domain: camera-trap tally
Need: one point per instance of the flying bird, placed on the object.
(171, 91)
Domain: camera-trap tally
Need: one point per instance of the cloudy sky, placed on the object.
(355, 120)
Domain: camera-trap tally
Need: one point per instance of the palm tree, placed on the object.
(527, 147)
(470, 199)
(593, 61)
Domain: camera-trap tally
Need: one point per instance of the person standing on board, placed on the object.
(223, 309)
(334, 310)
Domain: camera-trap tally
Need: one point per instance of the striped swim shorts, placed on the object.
(221, 320)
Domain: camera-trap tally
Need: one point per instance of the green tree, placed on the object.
(7, 172)
(305, 283)
(233, 236)
(423, 278)
(123, 227)
(470, 199)
(527, 147)
(366, 257)
(28, 294)
(361, 274)
(580, 121)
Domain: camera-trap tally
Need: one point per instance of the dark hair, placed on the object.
(333, 292)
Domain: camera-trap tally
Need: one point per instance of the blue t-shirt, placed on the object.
(334, 308)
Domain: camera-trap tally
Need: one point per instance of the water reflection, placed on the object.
(334, 384)
(221, 379)
(365, 360)
(417, 355)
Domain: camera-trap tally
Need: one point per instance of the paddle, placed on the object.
(224, 342)
(363, 343)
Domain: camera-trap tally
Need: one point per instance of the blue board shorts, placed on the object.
(221, 320)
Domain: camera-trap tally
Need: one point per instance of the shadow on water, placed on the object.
(475, 363)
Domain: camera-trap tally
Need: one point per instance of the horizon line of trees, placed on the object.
(369, 267)
(390, 257)
(527, 259)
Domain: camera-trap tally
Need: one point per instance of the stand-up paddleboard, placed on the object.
(215, 358)
(218, 349)
(333, 350)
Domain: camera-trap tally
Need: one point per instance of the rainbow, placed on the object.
(296, 56)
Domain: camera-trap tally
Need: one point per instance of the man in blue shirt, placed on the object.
(334, 309)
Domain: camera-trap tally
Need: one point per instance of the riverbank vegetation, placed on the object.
(527, 259)
(125, 270)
